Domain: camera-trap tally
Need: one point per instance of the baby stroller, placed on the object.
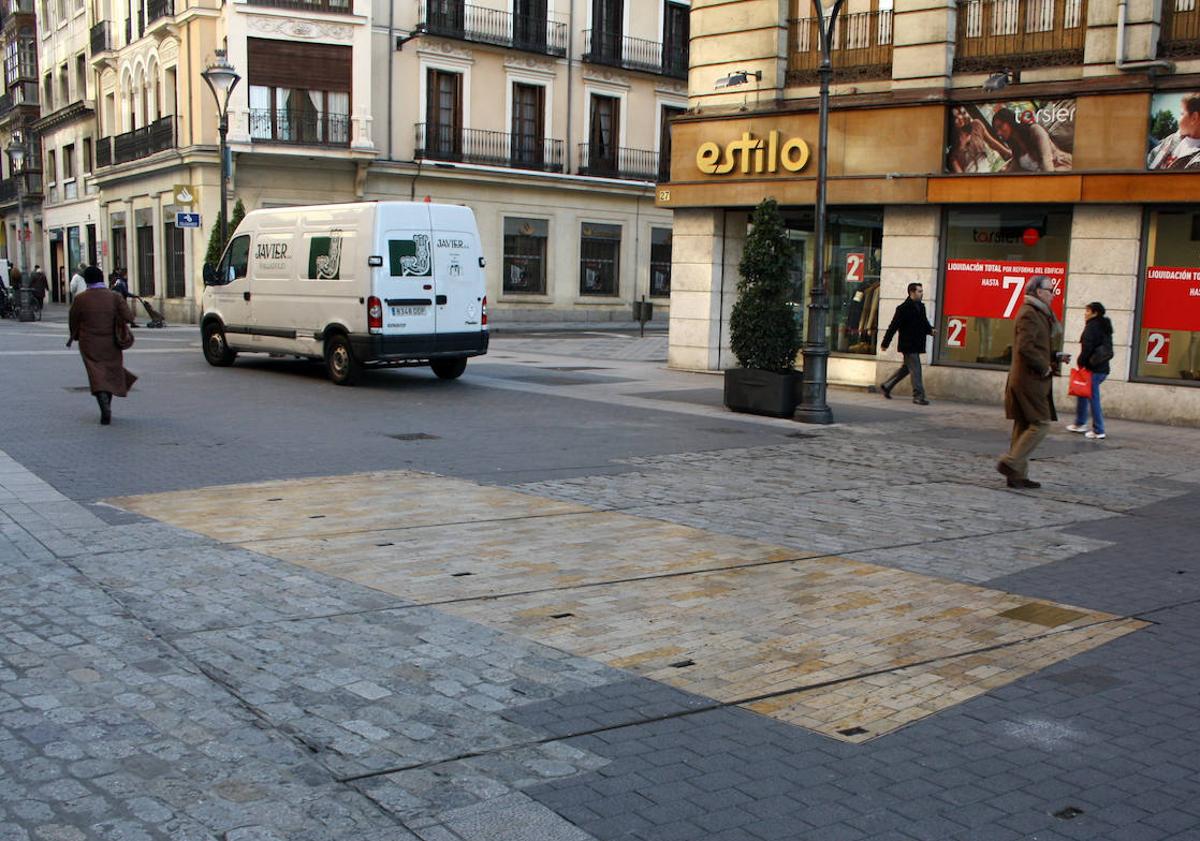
(155, 317)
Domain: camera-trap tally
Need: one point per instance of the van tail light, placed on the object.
(374, 315)
(484, 322)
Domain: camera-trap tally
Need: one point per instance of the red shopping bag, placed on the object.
(1081, 383)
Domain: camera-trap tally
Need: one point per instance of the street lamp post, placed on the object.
(16, 159)
(813, 408)
(222, 79)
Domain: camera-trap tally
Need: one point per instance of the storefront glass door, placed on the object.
(853, 260)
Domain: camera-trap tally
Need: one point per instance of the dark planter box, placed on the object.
(761, 392)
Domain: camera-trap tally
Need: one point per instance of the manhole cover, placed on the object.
(415, 436)
(1043, 614)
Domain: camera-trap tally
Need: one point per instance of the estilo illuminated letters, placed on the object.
(753, 154)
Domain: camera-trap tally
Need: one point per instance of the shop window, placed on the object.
(525, 255)
(599, 259)
(990, 254)
(853, 258)
(1168, 339)
(660, 262)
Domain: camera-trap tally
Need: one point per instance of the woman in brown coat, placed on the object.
(1028, 396)
(95, 313)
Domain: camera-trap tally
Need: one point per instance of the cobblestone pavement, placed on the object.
(232, 680)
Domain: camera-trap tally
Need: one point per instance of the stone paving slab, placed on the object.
(731, 620)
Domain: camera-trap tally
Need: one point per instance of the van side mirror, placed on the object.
(210, 275)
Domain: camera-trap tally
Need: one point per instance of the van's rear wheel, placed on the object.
(449, 369)
(216, 350)
(343, 368)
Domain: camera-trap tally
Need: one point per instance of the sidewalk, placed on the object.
(852, 632)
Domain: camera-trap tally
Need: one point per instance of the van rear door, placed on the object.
(405, 283)
(458, 275)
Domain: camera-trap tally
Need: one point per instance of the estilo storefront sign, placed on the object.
(751, 154)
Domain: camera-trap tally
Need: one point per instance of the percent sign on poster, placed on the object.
(993, 288)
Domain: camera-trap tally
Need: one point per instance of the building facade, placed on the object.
(548, 117)
(20, 192)
(971, 144)
(66, 133)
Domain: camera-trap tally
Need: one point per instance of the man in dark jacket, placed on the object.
(40, 286)
(912, 323)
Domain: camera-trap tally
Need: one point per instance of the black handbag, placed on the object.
(1100, 355)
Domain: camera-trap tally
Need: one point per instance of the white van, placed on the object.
(369, 284)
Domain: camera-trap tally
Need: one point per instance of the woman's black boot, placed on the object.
(104, 398)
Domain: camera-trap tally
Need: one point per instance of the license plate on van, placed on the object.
(409, 310)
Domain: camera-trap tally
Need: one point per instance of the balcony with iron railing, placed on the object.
(101, 38)
(861, 48)
(489, 148)
(493, 26)
(159, 9)
(1180, 34)
(613, 162)
(31, 187)
(334, 6)
(301, 128)
(616, 50)
(1020, 33)
(137, 144)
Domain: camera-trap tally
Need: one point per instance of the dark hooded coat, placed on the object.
(93, 320)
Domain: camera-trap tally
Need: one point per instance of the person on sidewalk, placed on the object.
(913, 325)
(78, 283)
(40, 286)
(1028, 395)
(93, 319)
(1095, 350)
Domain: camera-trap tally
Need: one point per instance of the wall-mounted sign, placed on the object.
(183, 195)
(1029, 135)
(1172, 300)
(187, 220)
(1175, 131)
(994, 288)
(753, 154)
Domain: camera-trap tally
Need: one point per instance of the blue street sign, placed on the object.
(187, 220)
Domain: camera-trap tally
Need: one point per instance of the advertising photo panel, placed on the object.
(1029, 135)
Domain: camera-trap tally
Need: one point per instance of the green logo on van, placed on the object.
(325, 256)
(411, 257)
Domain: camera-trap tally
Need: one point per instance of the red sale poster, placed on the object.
(1172, 299)
(993, 288)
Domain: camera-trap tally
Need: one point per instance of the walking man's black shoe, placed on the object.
(1024, 483)
(920, 401)
(887, 392)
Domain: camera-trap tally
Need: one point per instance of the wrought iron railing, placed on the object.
(338, 6)
(493, 26)
(101, 38)
(31, 186)
(614, 162)
(1019, 33)
(156, 9)
(1180, 35)
(861, 47)
(104, 152)
(489, 148)
(304, 128)
(617, 50)
(143, 142)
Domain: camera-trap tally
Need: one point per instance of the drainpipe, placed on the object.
(391, 73)
(570, 83)
(1122, 64)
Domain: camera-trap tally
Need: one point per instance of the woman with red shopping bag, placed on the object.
(1096, 349)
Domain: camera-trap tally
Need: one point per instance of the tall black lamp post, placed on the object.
(813, 408)
(16, 158)
(222, 79)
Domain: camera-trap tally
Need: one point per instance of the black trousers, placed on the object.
(911, 366)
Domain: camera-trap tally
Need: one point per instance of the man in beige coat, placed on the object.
(1028, 396)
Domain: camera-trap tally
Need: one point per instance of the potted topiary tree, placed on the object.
(762, 329)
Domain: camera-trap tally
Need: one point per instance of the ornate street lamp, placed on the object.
(222, 79)
(16, 158)
(813, 408)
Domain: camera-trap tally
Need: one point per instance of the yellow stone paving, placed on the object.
(836, 644)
